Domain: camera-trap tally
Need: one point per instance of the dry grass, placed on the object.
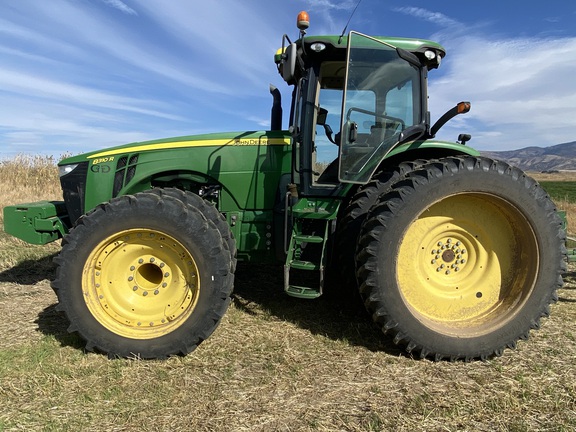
(29, 178)
(558, 176)
(274, 364)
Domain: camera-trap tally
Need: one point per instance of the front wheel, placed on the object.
(461, 259)
(144, 276)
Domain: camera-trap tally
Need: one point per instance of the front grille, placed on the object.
(119, 175)
(74, 188)
(125, 172)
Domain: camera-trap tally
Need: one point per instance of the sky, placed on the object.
(82, 75)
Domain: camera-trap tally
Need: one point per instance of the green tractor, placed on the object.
(454, 255)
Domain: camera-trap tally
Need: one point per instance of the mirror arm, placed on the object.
(460, 108)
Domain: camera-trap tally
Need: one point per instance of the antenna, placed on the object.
(349, 19)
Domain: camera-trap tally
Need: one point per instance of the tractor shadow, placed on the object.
(50, 321)
(259, 288)
(31, 271)
(53, 323)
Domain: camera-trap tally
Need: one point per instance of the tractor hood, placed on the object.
(232, 139)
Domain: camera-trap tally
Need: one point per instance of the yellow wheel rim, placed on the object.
(141, 283)
(467, 264)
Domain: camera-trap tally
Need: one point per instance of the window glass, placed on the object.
(381, 100)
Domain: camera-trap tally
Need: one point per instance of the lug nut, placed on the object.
(145, 293)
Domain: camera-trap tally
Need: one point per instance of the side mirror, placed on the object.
(352, 132)
(289, 63)
(321, 117)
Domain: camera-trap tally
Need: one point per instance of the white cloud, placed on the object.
(121, 6)
(37, 87)
(522, 89)
(433, 17)
(243, 46)
(72, 71)
(323, 5)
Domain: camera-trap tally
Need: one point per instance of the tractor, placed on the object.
(454, 255)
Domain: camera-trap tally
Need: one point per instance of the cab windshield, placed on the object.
(382, 98)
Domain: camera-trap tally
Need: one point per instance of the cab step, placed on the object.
(304, 238)
(306, 254)
(304, 265)
(302, 292)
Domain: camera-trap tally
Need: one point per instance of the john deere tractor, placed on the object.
(454, 255)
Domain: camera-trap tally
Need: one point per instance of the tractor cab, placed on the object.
(355, 99)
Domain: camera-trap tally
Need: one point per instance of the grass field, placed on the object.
(561, 190)
(274, 364)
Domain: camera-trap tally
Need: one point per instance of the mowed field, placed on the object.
(274, 364)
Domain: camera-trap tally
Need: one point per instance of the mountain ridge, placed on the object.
(559, 157)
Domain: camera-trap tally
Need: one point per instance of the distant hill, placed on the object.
(555, 158)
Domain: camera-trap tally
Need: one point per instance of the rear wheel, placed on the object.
(461, 259)
(144, 276)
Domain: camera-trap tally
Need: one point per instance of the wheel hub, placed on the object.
(149, 275)
(448, 255)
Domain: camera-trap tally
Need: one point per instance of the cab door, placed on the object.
(383, 98)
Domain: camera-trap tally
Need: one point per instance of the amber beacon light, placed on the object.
(303, 21)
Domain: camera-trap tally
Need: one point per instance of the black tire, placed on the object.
(353, 217)
(461, 258)
(208, 210)
(143, 276)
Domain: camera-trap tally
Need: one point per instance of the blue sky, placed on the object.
(80, 75)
